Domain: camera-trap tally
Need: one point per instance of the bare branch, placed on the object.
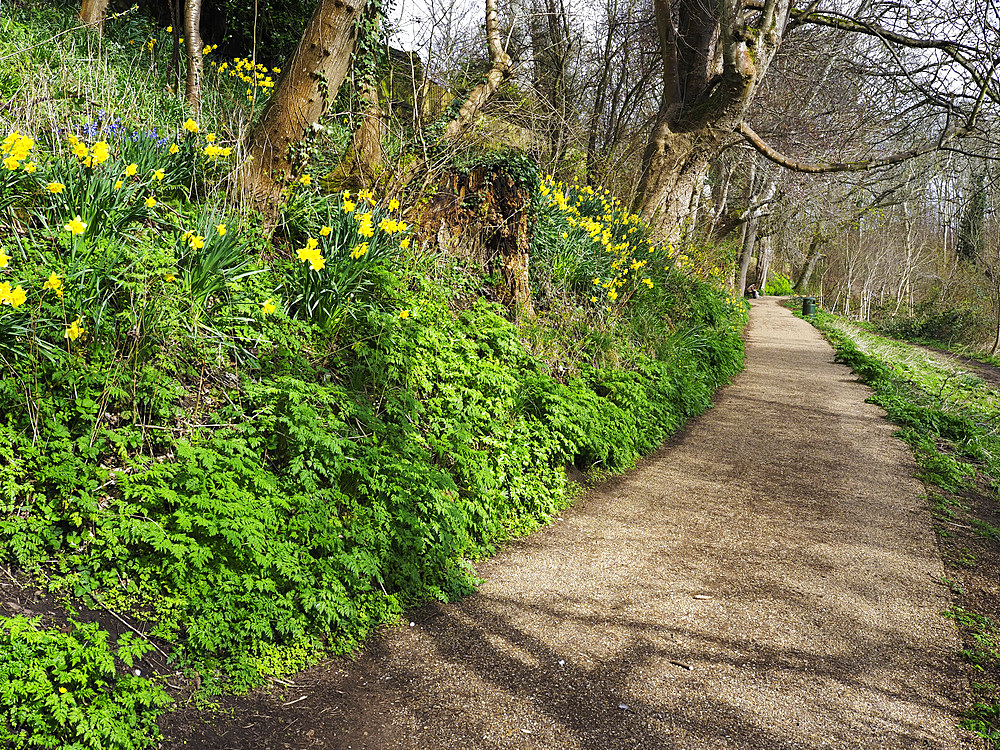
(855, 166)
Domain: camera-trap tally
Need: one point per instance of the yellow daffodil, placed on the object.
(17, 297)
(305, 179)
(393, 204)
(169, 278)
(404, 314)
(404, 243)
(325, 231)
(55, 187)
(75, 330)
(170, 29)
(360, 251)
(191, 126)
(210, 137)
(131, 170)
(4, 259)
(312, 254)
(54, 282)
(349, 206)
(30, 167)
(150, 202)
(174, 148)
(221, 229)
(268, 307)
(118, 184)
(76, 225)
(159, 174)
(100, 153)
(197, 241)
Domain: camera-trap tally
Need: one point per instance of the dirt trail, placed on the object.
(766, 580)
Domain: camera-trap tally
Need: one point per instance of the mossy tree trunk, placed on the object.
(303, 94)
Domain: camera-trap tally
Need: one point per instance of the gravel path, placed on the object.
(766, 580)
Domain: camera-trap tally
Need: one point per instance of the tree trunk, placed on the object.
(510, 242)
(304, 92)
(501, 70)
(709, 79)
(812, 258)
(550, 45)
(92, 14)
(367, 141)
(491, 231)
(672, 167)
(193, 51)
(765, 257)
(748, 247)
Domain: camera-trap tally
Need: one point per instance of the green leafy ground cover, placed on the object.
(951, 419)
(253, 447)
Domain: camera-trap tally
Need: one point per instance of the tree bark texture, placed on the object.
(483, 217)
(92, 13)
(367, 141)
(713, 61)
(303, 94)
(193, 50)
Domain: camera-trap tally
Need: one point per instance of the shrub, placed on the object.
(779, 285)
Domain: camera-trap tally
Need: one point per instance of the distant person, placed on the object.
(752, 291)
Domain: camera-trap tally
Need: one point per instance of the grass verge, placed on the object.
(950, 419)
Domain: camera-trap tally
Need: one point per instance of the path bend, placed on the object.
(768, 579)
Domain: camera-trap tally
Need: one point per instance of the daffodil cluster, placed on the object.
(257, 77)
(335, 263)
(629, 256)
(597, 218)
(16, 296)
(15, 150)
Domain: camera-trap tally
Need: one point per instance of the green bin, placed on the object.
(808, 305)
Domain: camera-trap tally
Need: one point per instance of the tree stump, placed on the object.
(483, 216)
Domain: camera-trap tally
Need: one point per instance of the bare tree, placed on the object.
(714, 58)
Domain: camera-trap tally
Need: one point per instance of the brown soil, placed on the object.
(769, 579)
